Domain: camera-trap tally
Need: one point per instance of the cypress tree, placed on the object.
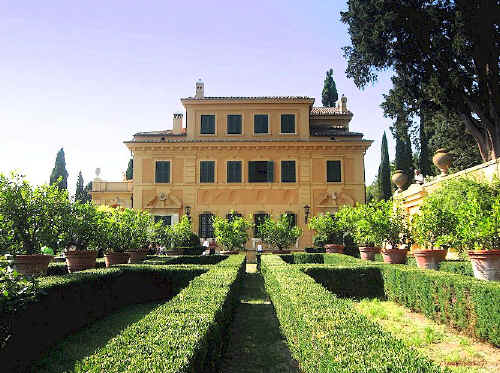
(86, 191)
(424, 158)
(59, 171)
(129, 174)
(80, 192)
(329, 94)
(404, 155)
(384, 171)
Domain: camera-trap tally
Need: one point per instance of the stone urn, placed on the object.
(399, 178)
(442, 160)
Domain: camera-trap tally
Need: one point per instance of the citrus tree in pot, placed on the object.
(370, 228)
(397, 235)
(184, 240)
(232, 234)
(81, 231)
(115, 237)
(280, 234)
(138, 231)
(32, 218)
(328, 233)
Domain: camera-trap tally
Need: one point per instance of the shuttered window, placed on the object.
(260, 171)
(287, 123)
(288, 172)
(166, 220)
(333, 171)
(292, 218)
(261, 123)
(207, 171)
(162, 174)
(258, 220)
(234, 124)
(234, 171)
(206, 227)
(207, 125)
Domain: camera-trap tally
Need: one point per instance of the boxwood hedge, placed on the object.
(186, 334)
(66, 303)
(325, 334)
(186, 259)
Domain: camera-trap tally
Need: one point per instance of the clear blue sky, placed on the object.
(86, 75)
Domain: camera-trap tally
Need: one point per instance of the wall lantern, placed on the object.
(307, 209)
(187, 211)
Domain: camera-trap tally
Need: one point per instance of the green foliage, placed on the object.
(186, 259)
(404, 156)
(329, 95)
(279, 234)
(384, 172)
(327, 229)
(129, 174)
(183, 233)
(82, 192)
(232, 234)
(81, 226)
(32, 217)
(317, 325)
(59, 174)
(15, 291)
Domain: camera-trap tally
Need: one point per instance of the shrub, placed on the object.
(325, 334)
(232, 234)
(186, 259)
(279, 234)
(15, 291)
(327, 230)
(182, 234)
(81, 226)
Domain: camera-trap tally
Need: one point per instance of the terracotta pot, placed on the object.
(80, 260)
(444, 253)
(399, 178)
(368, 253)
(442, 160)
(136, 256)
(115, 258)
(485, 264)
(229, 252)
(428, 259)
(32, 265)
(395, 256)
(333, 248)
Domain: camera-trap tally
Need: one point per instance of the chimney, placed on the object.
(200, 89)
(343, 104)
(177, 127)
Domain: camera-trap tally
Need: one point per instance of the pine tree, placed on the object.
(80, 192)
(129, 174)
(384, 171)
(329, 94)
(59, 171)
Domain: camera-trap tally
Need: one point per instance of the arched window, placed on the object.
(258, 219)
(206, 227)
(233, 215)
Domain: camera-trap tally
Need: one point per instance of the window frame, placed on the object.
(241, 171)
(341, 171)
(169, 171)
(215, 124)
(294, 124)
(261, 160)
(200, 225)
(268, 124)
(241, 124)
(281, 171)
(215, 171)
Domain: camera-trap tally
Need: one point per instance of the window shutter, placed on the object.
(261, 123)
(270, 171)
(334, 172)
(234, 171)
(162, 174)
(288, 123)
(288, 172)
(207, 124)
(234, 124)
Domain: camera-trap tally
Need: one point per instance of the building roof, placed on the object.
(318, 131)
(319, 110)
(304, 99)
(161, 133)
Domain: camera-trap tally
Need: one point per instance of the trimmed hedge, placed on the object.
(467, 304)
(325, 334)
(459, 267)
(60, 268)
(186, 334)
(67, 303)
(199, 260)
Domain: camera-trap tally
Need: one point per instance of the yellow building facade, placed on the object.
(252, 155)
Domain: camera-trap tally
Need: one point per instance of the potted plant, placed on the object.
(115, 235)
(328, 233)
(279, 234)
(139, 232)
(232, 234)
(81, 230)
(370, 227)
(32, 218)
(397, 235)
(184, 240)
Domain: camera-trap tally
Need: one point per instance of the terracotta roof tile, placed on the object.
(319, 110)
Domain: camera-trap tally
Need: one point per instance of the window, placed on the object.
(162, 174)
(333, 171)
(234, 124)
(206, 229)
(288, 172)
(260, 171)
(207, 171)
(260, 123)
(230, 217)
(207, 125)
(291, 217)
(234, 171)
(258, 219)
(287, 123)
(166, 220)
